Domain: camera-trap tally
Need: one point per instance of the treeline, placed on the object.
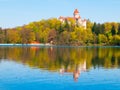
(67, 33)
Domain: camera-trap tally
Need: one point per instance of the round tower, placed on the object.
(76, 14)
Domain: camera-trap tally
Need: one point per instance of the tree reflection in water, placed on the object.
(64, 59)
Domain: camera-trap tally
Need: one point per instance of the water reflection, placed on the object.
(76, 71)
(73, 60)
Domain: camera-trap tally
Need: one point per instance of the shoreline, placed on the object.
(50, 45)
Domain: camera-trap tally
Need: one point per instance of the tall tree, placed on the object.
(113, 31)
(119, 29)
(94, 27)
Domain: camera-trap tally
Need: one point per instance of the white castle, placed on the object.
(76, 17)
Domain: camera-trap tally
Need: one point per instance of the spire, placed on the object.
(76, 11)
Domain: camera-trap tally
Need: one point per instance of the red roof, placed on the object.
(76, 11)
(68, 18)
(34, 42)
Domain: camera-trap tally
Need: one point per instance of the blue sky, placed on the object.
(19, 12)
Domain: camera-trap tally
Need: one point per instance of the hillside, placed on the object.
(68, 33)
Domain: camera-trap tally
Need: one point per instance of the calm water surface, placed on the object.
(59, 68)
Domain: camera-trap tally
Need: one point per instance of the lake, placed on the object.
(59, 68)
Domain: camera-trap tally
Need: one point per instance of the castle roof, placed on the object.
(68, 18)
(76, 11)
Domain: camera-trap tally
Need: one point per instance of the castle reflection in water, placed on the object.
(81, 67)
(63, 59)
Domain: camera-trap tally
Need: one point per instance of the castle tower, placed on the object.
(77, 17)
(76, 14)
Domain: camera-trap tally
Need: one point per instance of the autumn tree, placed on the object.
(52, 36)
(13, 36)
(27, 36)
(2, 37)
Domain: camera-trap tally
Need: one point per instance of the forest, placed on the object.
(54, 32)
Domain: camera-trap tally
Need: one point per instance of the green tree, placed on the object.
(107, 27)
(119, 29)
(94, 27)
(102, 38)
(113, 31)
(115, 40)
